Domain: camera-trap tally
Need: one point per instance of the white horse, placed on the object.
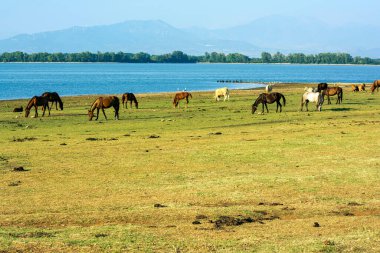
(268, 88)
(222, 92)
(312, 97)
(310, 89)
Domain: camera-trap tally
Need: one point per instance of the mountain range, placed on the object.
(273, 33)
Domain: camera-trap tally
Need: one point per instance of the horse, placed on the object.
(312, 97)
(179, 96)
(332, 91)
(131, 98)
(268, 98)
(268, 88)
(322, 86)
(361, 87)
(18, 109)
(104, 102)
(222, 92)
(310, 89)
(53, 97)
(375, 86)
(354, 88)
(37, 101)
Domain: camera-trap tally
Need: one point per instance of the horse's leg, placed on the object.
(36, 114)
(307, 105)
(187, 102)
(266, 106)
(116, 113)
(55, 105)
(104, 113)
(130, 104)
(97, 113)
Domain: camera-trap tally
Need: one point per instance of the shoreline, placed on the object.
(275, 85)
(211, 63)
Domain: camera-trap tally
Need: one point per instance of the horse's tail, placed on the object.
(283, 99)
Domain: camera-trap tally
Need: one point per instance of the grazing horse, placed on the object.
(53, 97)
(268, 98)
(104, 102)
(354, 88)
(222, 92)
(312, 97)
(268, 88)
(322, 86)
(361, 87)
(375, 86)
(332, 91)
(18, 109)
(131, 98)
(37, 101)
(179, 96)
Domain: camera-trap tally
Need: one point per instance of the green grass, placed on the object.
(92, 186)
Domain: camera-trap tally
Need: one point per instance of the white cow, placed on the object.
(222, 92)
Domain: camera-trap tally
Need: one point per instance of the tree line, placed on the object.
(180, 57)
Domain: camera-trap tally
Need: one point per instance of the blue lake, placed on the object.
(19, 80)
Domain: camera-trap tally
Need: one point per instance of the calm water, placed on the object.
(19, 80)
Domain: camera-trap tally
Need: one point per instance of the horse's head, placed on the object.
(90, 114)
(61, 106)
(254, 108)
(137, 104)
(27, 111)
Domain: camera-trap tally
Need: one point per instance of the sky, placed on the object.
(32, 16)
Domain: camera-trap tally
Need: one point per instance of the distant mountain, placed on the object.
(273, 33)
(299, 34)
(155, 37)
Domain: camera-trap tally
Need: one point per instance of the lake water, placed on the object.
(19, 80)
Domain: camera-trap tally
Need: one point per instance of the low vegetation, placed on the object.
(180, 57)
(209, 178)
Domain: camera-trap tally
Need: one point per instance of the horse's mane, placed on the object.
(30, 103)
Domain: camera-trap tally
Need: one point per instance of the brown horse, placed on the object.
(37, 101)
(131, 98)
(104, 102)
(18, 109)
(354, 88)
(53, 97)
(179, 96)
(268, 98)
(332, 91)
(375, 86)
(361, 87)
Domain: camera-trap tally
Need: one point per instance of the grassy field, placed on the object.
(210, 178)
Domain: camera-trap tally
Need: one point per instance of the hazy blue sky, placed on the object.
(31, 16)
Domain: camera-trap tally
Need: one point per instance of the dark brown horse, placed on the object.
(180, 96)
(268, 98)
(332, 91)
(18, 109)
(37, 101)
(102, 103)
(375, 86)
(53, 97)
(322, 86)
(131, 98)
